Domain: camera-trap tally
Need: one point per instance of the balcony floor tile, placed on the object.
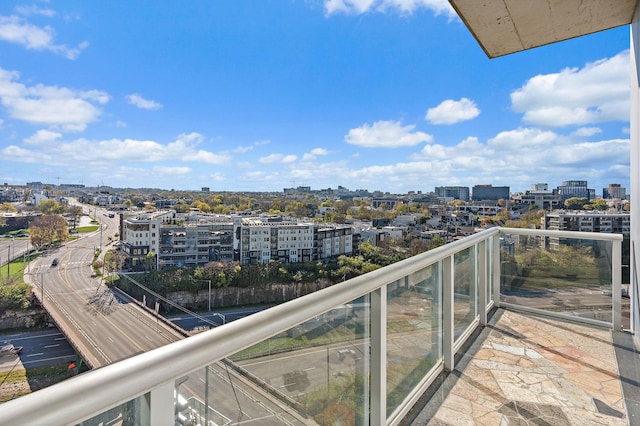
(525, 369)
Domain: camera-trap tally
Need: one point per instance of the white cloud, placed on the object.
(21, 155)
(35, 10)
(42, 137)
(243, 149)
(121, 124)
(405, 7)
(14, 29)
(270, 159)
(587, 131)
(314, 153)
(51, 105)
(93, 153)
(172, 170)
(278, 158)
(142, 103)
(451, 112)
(598, 92)
(386, 134)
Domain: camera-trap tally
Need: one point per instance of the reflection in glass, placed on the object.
(414, 325)
(465, 297)
(313, 372)
(571, 276)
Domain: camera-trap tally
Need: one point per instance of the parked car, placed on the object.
(9, 349)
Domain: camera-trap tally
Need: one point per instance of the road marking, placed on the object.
(38, 354)
(309, 369)
(50, 346)
(70, 356)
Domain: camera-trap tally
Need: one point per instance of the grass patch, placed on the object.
(90, 228)
(16, 383)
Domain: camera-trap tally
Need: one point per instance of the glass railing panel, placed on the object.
(465, 285)
(129, 413)
(414, 332)
(562, 275)
(313, 373)
(490, 269)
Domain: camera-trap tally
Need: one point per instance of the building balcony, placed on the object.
(495, 328)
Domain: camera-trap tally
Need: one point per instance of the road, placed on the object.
(41, 348)
(11, 248)
(102, 328)
(219, 317)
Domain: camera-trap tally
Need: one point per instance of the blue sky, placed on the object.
(258, 95)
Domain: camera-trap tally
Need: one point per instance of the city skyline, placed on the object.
(390, 95)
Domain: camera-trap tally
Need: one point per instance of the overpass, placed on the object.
(102, 326)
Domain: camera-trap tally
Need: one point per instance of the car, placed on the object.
(54, 262)
(9, 349)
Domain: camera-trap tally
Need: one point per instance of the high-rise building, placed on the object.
(614, 191)
(575, 189)
(490, 193)
(455, 192)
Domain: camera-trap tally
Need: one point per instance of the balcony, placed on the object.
(499, 326)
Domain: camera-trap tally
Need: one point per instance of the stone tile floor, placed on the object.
(534, 371)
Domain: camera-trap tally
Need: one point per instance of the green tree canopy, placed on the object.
(575, 203)
(47, 230)
(7, 207)
(50, 207)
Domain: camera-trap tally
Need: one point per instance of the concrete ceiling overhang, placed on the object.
(508, 26)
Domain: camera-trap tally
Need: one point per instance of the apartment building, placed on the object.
(140, 235)
(195, 239)
(260, 241)
(193, 244)
(586, 221)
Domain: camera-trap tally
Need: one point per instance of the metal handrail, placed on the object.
(91, 393)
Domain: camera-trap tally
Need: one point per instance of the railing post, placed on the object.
(162, 410)
(482, 281)
(379, 356)
(496, 281)
(616, 284)
(447, 312)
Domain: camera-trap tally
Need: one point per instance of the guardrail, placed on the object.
(366, 348)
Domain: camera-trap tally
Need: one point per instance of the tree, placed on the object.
(75, 212)
(202, 206)
(599, 204)
(575, 203)
(113, 261)
(436, 241)
(7, 207)
(47, 230)
(50, 207)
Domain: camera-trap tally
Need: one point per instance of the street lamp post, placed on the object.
(209, 285)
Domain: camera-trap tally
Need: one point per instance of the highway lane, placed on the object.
(11, 248)
(102, 328)
(42, 347)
